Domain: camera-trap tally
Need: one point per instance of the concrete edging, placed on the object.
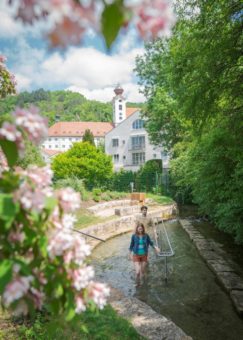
(216, 259)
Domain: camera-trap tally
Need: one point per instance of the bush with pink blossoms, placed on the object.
(7, 80)
(42, 261)
(73, 18)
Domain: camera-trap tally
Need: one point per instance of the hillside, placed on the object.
(68, 105)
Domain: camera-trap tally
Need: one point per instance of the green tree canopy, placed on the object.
(194, 89)
(83, 161)
(88, 137)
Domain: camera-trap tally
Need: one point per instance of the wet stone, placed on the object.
(230, 281)
(209, 254)
(237, 298)
(217, 267)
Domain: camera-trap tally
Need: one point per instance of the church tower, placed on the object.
(119, 106)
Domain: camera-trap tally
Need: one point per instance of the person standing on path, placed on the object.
(139, 246)
(147, 222)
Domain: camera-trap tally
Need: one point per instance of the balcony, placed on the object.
(137, 147)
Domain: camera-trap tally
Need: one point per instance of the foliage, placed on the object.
(121, 181)
(41, 261)
(194, 89)
(32, 156)
(108, 325)
(160, 199)
(7, 80)
(76, 184)
(70, 106)
(83, 161)
(147, 177)
(88, 137)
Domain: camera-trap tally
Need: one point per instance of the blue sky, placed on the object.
(87, 68)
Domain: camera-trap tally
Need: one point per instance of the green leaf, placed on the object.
(111, 21)
(5, 273)
(50, 203)
(8, 209)
(59, 291)
(70, 314)
(10, 150)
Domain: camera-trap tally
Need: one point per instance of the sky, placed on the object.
(88, 69)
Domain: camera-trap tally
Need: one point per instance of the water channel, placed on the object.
(192, 298)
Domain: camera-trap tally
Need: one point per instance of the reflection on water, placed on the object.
(191, 298)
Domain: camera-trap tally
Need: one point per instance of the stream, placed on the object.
(192, 297)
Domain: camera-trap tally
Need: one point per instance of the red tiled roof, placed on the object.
(131, 110)
(51, 152)
(99, 129)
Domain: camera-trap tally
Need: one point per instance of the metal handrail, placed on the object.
(165, 254)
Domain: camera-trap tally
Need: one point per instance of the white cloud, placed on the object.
(131, 93)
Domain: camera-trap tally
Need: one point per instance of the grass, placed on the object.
(105, 324)
(86, 218)
(160, 199)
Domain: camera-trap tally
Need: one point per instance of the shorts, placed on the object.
(140, 258)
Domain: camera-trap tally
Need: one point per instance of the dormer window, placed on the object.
(138, 124)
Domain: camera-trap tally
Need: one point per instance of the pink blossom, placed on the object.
(155, 18)
(9, 132)
(3, 59)
(59, 242)
(69, 200)
(68, 221)
(78, 252)
(29, 197)
(16, 236)
(40, 276)
(16, 289)
(37, 297)
(32, 123)
(80, 305)
(98, 292)
(81, 277)
(41, 177)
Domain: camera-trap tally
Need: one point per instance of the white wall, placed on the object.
(65, 143)
(124, 131)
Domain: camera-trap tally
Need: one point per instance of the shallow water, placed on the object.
(191, 298)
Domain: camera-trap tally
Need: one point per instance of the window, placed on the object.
(138, 142)
(138, 124)
(138, 158)
(116, 158)
(49, 139)
(70, 138)
(120, 107)
(115, 142)
(120, 100)
(123, 142)
(124, 157)
(63, 146)
(154, 155)
(56, 146)
(49, 146)
(56, 139)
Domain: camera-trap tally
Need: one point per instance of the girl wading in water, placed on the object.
(139, 245)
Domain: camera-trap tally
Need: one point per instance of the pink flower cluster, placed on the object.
(155, 18)
(28, 121)
(69, 200)
(8, 131)
(32, 123)
(34, 188)
(18, 289)
(72, 18)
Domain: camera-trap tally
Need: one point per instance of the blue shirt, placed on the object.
(139, 247)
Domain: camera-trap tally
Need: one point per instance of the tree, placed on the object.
(32, 156)
(194, 90)
(88, 137)
(83, 161)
